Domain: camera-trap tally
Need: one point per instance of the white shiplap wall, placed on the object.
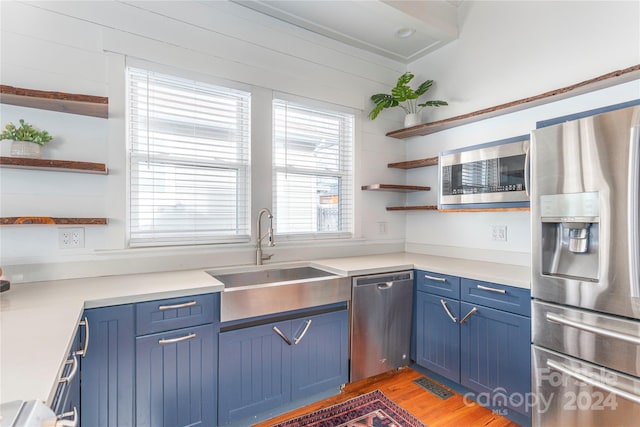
(82, 47)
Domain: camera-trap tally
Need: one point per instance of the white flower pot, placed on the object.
(412, 119)
(25, 149)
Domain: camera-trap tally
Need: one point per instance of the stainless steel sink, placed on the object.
(260, 277)
(261, 292)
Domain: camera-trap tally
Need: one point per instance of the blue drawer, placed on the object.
(502, 297)
(174, 313)
(438, 284)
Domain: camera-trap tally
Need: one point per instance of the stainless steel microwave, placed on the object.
(491, 175)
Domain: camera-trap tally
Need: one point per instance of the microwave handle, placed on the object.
(527, 168)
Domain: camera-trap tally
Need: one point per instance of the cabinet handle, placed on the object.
(451, 316)
(487, 288)
(469, 314)
(84, 322)
(74, 370)
(61, 422)
(178, 339)
(437, 279)
(176, 306)
(279, 332)
(304, 331)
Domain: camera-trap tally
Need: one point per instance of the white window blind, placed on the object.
(189, 161)
(312, 156)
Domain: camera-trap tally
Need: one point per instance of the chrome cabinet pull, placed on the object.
(587, 379)
(304, 331)
(451, 316)
(594, 329)
(84, 322)
(487, 288)
(437, 279)
(281, 335)
(74, 370)
(176, 306)
(469, 314)
(178, 339)
(61, 422)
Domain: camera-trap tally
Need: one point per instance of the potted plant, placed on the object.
(27, 140)
(406, 98)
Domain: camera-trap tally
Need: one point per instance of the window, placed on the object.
(189, 161)
(312, 171)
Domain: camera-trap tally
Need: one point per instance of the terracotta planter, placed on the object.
(25, 149)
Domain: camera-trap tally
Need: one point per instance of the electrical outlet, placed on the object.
(499, 233)
(382, 227)
(69, 238)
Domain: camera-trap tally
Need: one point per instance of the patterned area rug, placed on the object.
(369, 410)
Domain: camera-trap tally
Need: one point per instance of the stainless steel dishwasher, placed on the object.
(382, 307)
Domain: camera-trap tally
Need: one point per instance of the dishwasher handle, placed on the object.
(385, 285)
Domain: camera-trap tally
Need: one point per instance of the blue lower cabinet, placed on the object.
(107, 383)
(176, 378)
(437, 336)
(254, 371)
(320, 353)
(495, 355)
(265, 366)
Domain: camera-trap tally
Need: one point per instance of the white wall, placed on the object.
(82, 47)
(509, 51)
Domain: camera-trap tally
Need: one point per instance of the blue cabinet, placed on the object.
(107, 387)
(66, 401)
(152, 364)
(176, 361)
(265, 366)
(175, 378)
(487, 349)
(254, 371)
(438, 336)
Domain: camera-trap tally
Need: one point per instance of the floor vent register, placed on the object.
(433, 388)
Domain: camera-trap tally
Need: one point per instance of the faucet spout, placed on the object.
(269, 234)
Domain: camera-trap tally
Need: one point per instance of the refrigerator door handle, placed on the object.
(593, 329)
(632, 214)
(527, 169)
(593, 382)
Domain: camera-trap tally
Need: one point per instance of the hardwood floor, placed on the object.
(399, 387)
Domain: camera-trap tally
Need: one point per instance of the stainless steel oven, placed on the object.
(485, 176)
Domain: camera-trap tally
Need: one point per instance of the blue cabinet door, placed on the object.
(254, 371)
(437, 335)
(495, 356)
(320, 353)
(107, 383)
(176, 378)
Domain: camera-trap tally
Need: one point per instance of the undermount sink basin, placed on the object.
(249, 278)
(260, 292)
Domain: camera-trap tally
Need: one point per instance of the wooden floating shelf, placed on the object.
(606, 80)
(486, 210)
(413, 208)
(394, 187)
(86, 105)
(45, 220)
(411, 164)
(57, 165)
(435, 208)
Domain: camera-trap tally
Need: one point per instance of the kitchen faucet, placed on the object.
(269, 233)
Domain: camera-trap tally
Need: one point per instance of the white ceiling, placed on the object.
(371, 24)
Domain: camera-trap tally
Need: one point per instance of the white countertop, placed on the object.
(39, 320)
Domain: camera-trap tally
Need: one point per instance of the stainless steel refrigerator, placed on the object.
(585, 175)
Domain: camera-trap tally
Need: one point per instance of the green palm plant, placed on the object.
(404, 97)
